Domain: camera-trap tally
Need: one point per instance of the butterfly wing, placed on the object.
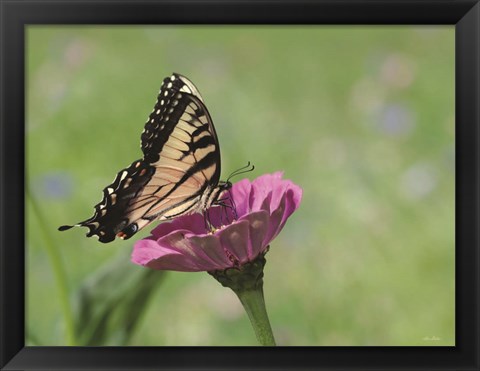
(189, 158)
(179, 171)
(110, 217)
(179, 105)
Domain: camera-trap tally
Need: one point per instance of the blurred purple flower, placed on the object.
(396, 120)
(53, 185)
(262, 206)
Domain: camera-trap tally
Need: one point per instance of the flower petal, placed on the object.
(194, 223)
(205, 251)
(288, 204)
(240, 193)
(291, 192)
(261, 195)
(210, 248)
(258, 228)
(150, 254)
(235, 242)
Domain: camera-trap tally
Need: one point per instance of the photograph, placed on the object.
(240, 185)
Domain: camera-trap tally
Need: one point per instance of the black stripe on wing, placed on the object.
(203, 164)
(173, 99)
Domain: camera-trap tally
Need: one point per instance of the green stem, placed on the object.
(254, 304)
(58, 270)
(247, 282)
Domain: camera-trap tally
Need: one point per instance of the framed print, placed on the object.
(319, 160)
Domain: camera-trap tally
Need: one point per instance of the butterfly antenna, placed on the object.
(245, 169)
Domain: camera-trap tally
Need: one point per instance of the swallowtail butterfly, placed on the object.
(178, 174)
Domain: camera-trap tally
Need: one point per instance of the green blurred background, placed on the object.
(362, 118)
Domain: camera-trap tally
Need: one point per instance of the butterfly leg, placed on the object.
(205, 220)
(224, 219)
(228, 203)
(208, 222)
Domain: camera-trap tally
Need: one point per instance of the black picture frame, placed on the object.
(16, 14)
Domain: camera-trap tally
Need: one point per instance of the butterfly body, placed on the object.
(178, 174)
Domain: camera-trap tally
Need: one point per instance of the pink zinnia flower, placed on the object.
(262, 207)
